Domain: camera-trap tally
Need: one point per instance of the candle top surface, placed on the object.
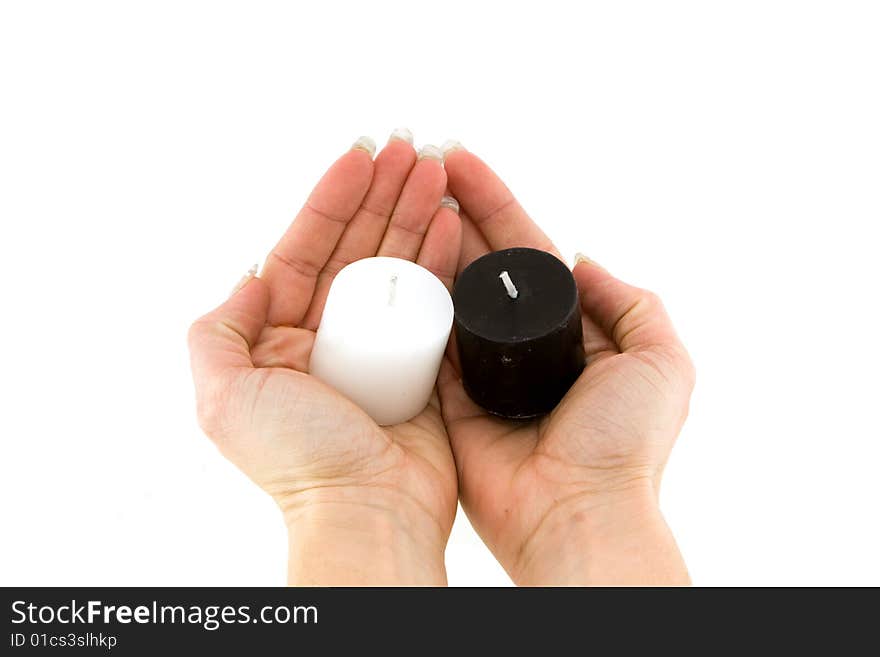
(389, 301)
(514, 295)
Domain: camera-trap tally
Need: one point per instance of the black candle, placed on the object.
(518, 329)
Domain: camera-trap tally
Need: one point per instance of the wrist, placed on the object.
(609, 538)
(353, 536)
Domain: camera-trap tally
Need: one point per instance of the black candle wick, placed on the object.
(512, 292)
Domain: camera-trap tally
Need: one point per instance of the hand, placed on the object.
(571, 498)
(364, 504)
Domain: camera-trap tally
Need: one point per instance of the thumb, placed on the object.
(220, 342)
(633, 318)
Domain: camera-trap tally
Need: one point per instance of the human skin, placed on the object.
(568, 499)
(364, 504)
(572, 498)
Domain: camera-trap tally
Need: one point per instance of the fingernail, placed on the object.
(450, 146)
(580, 257)
(431, 152)
(403, 134)
(449, 202)
(365, 144)
(245, 279)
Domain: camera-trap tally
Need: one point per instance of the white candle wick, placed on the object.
(512, 292)
(393, 289)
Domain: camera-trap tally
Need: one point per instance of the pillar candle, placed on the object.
(382, 335)
(518, 330)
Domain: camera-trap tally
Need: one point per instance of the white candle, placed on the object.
(382, 336)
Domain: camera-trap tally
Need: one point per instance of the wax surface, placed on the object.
(382, 336)
(520, 349)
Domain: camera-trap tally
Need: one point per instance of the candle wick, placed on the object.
(393, 290)
(512, 292)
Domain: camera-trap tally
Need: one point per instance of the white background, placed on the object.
(725, 154)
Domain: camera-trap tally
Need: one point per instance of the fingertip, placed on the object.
(587, 272)
(424, 184)
(448, 218)
(597, 288)
(342, 188)
(456, 159)
(434, 169)
(634, 318)
(245, 279)
(470, 178)
(254, 291)
(431, 152)
(365, 144)
(392, 168)
(451, 203)
(401, 134)
(451, 146)
(456, 172)
(356, 164)
(397, 150)
(580, 258)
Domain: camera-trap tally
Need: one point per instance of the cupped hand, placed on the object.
(572, 497)
(363, 503)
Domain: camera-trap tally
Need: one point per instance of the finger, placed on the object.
(364, 232)
(284, 346)
(473, 244)
(633, 318)
(418, 201)
(222, 339)
(440, 249)
(597, 344)
(294, 264)
(491, 205)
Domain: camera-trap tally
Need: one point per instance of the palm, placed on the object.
(316, 437)
(289, 432)
(615, 426)
(598, 432)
